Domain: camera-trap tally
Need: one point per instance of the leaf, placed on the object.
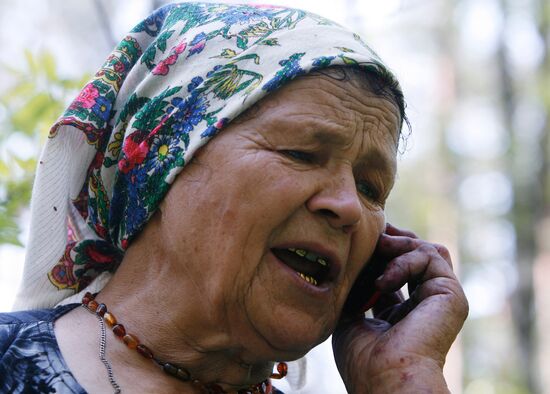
(228, 53)
(132, 106)
(47, 61)
(257, 30)
(344, 49)
(26, 118)
(154, 109)
(27, 165)
(242, 42)
(348, 60)
(161, 40)
(253, 56)
(22, 90)
(148, 57)
(4, 170)
(75, 83)
(33, 67)
(271, 42)
(16, 72)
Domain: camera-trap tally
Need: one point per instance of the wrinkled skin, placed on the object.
(310, 167)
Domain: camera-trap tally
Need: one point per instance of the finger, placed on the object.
(389, 247)
(392, 230)
(417, 266)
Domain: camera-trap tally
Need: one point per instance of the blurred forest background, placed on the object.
(473, 175)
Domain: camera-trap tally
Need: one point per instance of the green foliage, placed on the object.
(28, 107)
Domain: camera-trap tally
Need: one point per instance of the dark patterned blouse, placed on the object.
(30, 359)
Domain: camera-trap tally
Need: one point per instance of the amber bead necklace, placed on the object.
(178, 372)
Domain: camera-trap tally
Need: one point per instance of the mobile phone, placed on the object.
(363, 294)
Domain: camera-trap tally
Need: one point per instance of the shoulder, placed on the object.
(27, 324)
(33, 316)
(30, 359)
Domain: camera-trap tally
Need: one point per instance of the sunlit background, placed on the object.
(473, 174)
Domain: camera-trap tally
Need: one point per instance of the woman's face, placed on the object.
(309, 169)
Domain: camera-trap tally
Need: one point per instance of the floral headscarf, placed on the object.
(170, 86)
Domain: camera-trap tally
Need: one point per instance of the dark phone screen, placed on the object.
(363, 293)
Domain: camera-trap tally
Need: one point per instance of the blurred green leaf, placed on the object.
(48, 62)
(23, 89)
(31, 63)
(28, 116)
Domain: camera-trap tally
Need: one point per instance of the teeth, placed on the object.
(308, 278)
(309, 256)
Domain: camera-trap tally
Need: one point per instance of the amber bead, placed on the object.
(92, 305)
(87, 298)
(130, 340)
(144, 351)
(119, 330)
(110, 319)
(282, 368)
(101, 309)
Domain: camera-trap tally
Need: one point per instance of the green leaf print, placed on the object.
(271, 42)
(242, 42)
(148, 117)
(228, 53)
(161, 41)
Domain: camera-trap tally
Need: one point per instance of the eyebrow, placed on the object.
(373, 157)
(377, 159)
(334, 133)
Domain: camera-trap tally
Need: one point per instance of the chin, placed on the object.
(291, 337)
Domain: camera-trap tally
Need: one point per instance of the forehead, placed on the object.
(335, 110)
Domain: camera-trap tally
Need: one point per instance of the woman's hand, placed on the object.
(403, 348)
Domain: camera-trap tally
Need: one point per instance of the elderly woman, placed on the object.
(209, 201)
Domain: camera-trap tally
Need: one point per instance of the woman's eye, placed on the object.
(299, 155)
(368, 190)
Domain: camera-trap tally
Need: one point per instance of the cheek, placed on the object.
(364, 241)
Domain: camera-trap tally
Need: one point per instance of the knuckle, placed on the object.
(443, 251)
(411, 234)
(412, 243)
(427, 248)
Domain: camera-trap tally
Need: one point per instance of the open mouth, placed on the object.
(309, 266)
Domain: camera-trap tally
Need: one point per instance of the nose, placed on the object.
(338, 202)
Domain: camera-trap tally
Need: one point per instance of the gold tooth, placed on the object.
(308, 279)
(301, 252)
(322, 261)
